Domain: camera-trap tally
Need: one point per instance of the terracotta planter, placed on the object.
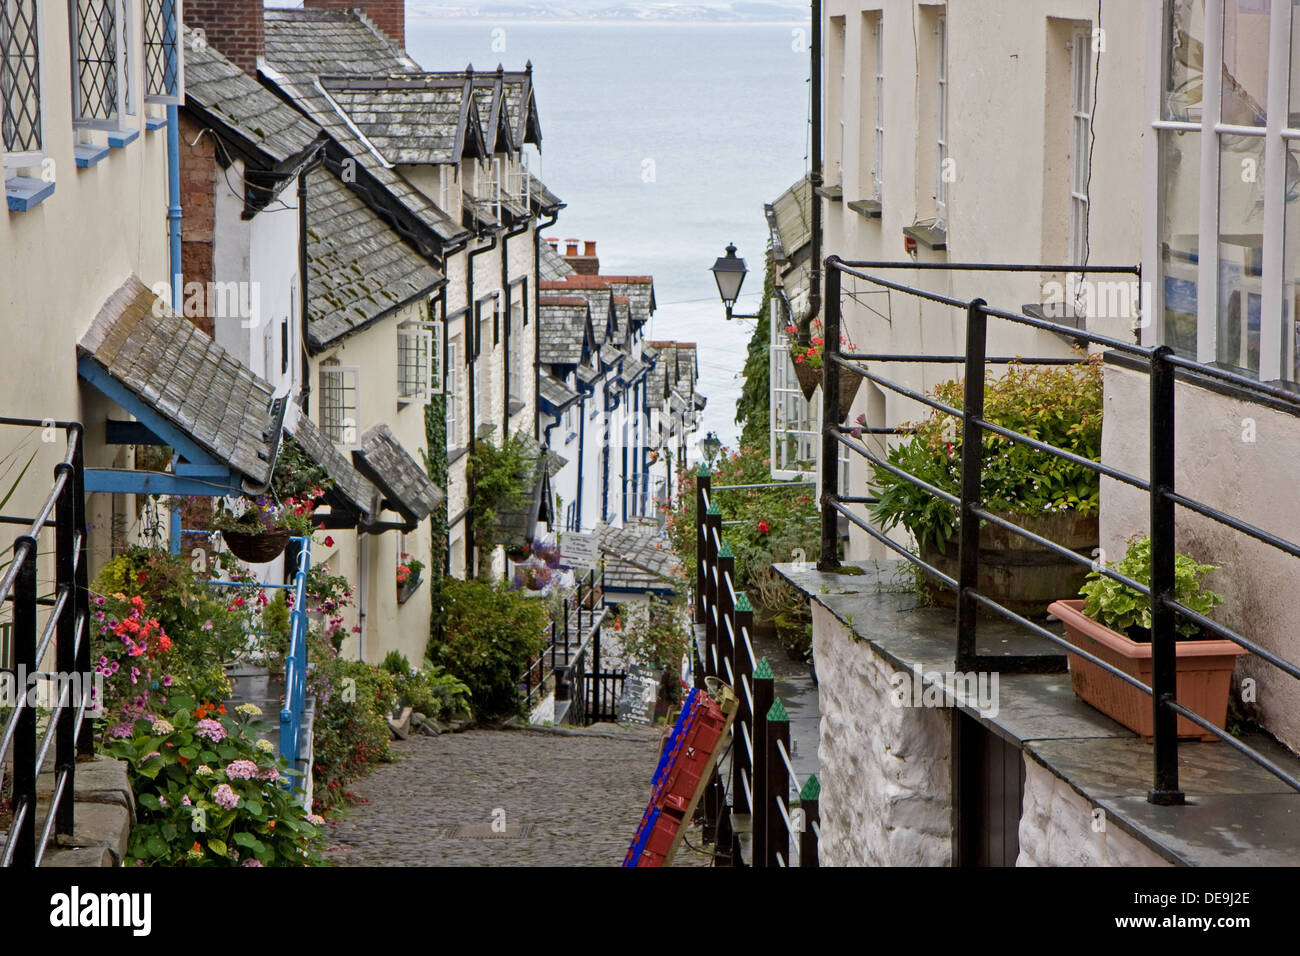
(1014, 571)
(1204, 674)
(256, 548)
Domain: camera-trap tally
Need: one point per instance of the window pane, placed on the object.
(1180, 175)
(1245, 62)
(1291, 269)
(20, 72)
(1184, 48)
(97, 59)
(1241, 249)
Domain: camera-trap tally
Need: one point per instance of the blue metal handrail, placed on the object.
(295, 665)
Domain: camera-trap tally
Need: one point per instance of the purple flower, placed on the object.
(211, 730)
(122, 730)
(225, 797)
(251, 861)
(270, 775)
(241, 770)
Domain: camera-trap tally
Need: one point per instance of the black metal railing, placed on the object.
(65, 630)
(747, 808)
(566, 646)
(1162, 365)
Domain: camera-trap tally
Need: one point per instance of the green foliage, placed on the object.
(492, 634)
(1058, 405)
(776, 524)
(208, 793)
(1125, 611)
(656, 633)
(353, 700)
(427, 690)
(503, 477)
(753, 410)
(435, 463)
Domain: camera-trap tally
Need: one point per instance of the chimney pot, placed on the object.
(572, 247)
(591, 250)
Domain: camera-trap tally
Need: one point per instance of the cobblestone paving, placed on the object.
(577, 798)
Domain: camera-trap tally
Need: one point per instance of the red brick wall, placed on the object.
(388, 15)
(233, 27)
(199, 175)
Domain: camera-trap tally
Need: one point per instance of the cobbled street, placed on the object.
(569, 799)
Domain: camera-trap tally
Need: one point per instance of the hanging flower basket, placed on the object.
(809, 378)
(256, 548)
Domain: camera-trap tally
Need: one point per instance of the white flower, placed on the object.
(163, 727)
(265, 746)
(249, 710)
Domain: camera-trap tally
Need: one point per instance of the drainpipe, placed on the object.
(472, 348)
(177, 283)
(363, 590)
(815, 175)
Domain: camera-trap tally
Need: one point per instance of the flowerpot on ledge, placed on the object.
(257, 548)
(404, 591)
(1015, 572)
(1204, 674)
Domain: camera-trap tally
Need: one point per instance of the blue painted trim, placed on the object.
(124, 481)
(25, 192)
(88, 154)
(154, 123)
(185, 446)
(121, 138)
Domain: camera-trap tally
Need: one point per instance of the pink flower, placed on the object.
(225, 797)
(241, 770)
(251, 861)
(211, 730)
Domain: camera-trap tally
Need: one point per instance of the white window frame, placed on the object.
(514, 348)
(452, 390)
(416, 356)
(168, 45)
(121, 63)
(21, 159)
(791, 417)
(941, 121)
(1276, 356)
(1081, 54)
(877, 171)
(340, 427)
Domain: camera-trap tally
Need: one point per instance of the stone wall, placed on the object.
(1058, 828)
(885, 771)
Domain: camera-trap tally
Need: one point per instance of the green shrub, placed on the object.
(209, 794)
(1058, 405)
(353, 700)
(427, 690)
(1125, 611)
(491, 635)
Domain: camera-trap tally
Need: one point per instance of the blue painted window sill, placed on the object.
(24, 192)
(119, 138)
(155, 123)
(88, 154)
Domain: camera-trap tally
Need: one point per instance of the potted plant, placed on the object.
(809, 362)
(1035, 490)
(408, 577)
(257, 530)
(1113, 622)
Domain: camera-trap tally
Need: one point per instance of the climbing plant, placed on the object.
(752, 409)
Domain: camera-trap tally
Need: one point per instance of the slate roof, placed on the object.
(656, 382)
(358, 269)
(301, 45)
(551, 266)
(640, 292)
(543, 198)
(229, 95)
(554, 392)
(789, 220)
(611, 354)
(642, 550)
(349, 484)
(186, 377)
(411, 118)
(402, 480)
(562, 329)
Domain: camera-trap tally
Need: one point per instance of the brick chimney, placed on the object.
(388, 15)
(231, 27)
(584, 263)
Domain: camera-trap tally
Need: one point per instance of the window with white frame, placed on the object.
(452, 386)
(99, 50)
(941, 121)
(416, 359)
(1224, 232)
(794, 437)
(340, 388)
(515, 355)
(21, 116)
(163, 62)
(1080, 140)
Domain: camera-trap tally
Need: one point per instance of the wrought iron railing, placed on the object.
(66, 631)
(564, 652)
(1162, 366)
(748, 801)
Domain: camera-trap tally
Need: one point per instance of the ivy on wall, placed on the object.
(435, 463)
(752, 411)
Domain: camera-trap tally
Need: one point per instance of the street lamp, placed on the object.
(729, 271)
(711, 445)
